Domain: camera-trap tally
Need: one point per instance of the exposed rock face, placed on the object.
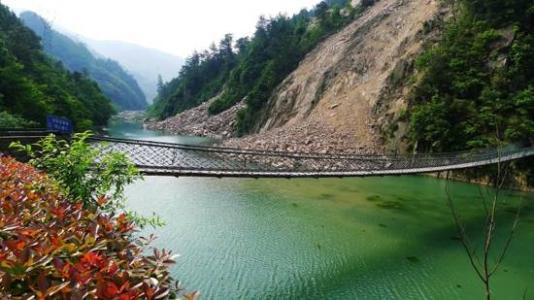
(344, 93)
(330, 102)
(307, 137)
(197, 121)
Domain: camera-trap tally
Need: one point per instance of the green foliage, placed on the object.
(82, 171)
(477, 84)
(8, 120)
(275, 50)
(502, 13)
(200, 79)
(251, 68)
(32, 85)
(113, 80)
(85, 173)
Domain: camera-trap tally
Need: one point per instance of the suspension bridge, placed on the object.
(170, 159)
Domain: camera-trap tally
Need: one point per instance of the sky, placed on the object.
(175, 26)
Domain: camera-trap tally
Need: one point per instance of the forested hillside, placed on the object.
(253, 67)
(32, 85)
(153, 65)
(476, 85)
(114, 81)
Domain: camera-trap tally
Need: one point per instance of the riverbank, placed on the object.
(132, 116)
(198, 122)
(517, 183)
(308, 137)
(323, 141)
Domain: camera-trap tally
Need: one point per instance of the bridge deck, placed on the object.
(167, 159)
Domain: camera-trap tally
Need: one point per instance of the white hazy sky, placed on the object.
(174, 26)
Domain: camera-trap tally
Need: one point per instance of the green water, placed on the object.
(367, 238)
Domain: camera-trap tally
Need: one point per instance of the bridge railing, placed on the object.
(166, 157)
(182, 159)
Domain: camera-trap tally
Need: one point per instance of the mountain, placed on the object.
(145, 64)
(387, 75)
(252, 67)
(32, 85)
(112, 79)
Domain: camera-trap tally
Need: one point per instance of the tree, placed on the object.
(321, 10)
(490, 201)
(367, 3)
(54, 248)
(241, 45)
(226, 45)
(161, 85)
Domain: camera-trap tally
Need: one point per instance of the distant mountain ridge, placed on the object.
(116, 83)
(145, 64)
(33, 85)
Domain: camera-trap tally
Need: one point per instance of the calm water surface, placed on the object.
(367, 238)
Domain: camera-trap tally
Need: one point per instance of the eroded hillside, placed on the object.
(335, 99)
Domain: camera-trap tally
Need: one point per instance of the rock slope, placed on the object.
(335, 100)
(198, 122)
(344, 93)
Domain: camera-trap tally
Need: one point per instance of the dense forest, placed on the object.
(32, 85)
(114, 81)
(477, 84)
(251, 68)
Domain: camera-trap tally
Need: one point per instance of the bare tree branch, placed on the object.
(508, 240)
(464, 238)
(490, 202)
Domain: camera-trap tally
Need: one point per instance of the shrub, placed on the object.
(8, 120)
(85, 173)
(54, 248)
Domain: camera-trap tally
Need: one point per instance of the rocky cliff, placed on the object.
(344, 94)
(341, 95)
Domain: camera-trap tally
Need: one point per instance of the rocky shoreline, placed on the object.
(305, 138)
(198, 122)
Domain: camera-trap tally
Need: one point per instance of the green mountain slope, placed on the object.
(477, 83)
(155, 63)
(116, 83)
(251, 68)
(32, 85)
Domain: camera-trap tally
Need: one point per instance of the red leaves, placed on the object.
(15, 245)
(57, 248)
(62, 268)
(28, 232)
(101, 200)
(58, 212)
(92, 259)
(110, 290)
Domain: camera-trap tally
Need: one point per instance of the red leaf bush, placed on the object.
(51, 248)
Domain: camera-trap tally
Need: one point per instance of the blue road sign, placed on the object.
(60, 124)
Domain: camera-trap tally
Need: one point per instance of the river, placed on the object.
(362, 238)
